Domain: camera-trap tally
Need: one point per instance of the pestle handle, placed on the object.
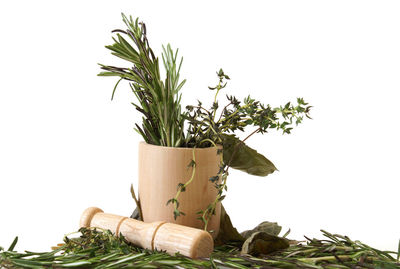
(158, 235)
(139, 233)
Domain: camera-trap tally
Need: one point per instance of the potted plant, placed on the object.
(183, 172)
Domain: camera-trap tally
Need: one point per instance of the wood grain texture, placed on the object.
(161, 169)
(169, 237)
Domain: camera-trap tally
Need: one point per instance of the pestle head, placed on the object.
(191, 242)
(87, 216)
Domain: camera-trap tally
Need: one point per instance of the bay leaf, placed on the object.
(271, 228)
(227, 233)
(263, 243)
(239, 156)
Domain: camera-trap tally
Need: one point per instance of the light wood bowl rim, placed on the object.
(179, 148)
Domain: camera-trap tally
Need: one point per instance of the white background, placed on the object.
(65, 146)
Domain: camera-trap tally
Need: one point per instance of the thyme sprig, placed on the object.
(182, 187)
(206, 129)
(237, 115)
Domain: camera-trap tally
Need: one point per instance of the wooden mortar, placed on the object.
(161, 169)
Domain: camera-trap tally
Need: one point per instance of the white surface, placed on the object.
(65, 146)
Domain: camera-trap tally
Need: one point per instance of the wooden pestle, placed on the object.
(160, 235)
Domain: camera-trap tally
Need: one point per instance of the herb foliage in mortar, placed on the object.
(163, 121)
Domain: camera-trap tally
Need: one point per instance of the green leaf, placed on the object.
(241, 157)
(125, 259)
(12, 246)
(115, 87)
(75, 264)
(169, 262)
(235, 265)
(398, 252)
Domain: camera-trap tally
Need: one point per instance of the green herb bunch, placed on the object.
(205, 127)
(159, 100)
(208, 128)
(101, 249)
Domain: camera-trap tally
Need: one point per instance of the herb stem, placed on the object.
(252, 133)
(182, 188)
